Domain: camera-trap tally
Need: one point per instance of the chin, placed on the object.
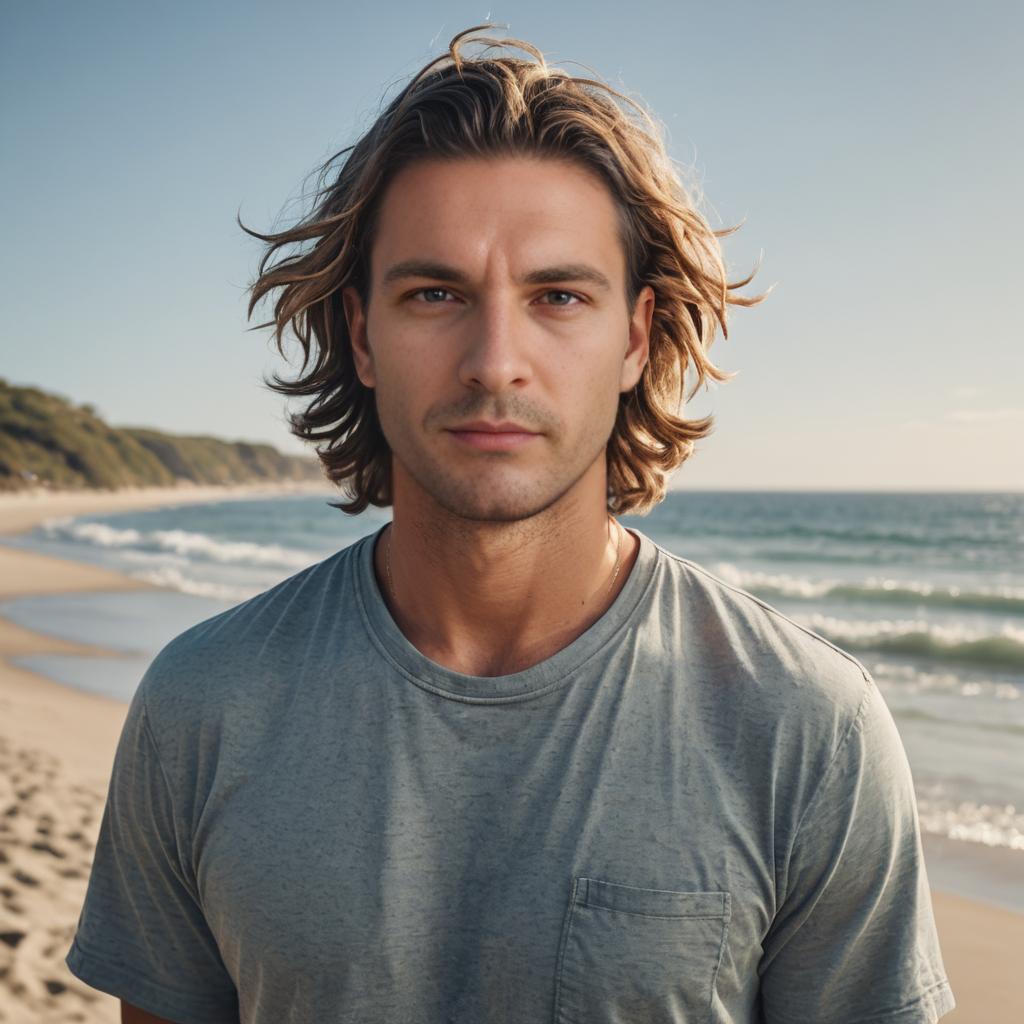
(490, 508)
(485, 499)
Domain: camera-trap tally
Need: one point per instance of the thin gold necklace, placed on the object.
(615, 574)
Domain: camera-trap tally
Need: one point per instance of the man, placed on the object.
(504, 760)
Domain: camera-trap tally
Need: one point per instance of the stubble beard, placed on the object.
(476, 488)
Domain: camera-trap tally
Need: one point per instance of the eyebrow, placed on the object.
(543, 275)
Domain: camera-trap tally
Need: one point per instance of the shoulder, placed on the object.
(224, 659)
(778, 705)
(760, 654)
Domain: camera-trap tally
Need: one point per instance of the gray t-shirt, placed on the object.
(697, 811)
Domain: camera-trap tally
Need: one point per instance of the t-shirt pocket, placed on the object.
(644, 955)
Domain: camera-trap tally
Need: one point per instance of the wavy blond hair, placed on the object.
(460, 105)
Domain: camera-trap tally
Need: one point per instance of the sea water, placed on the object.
(926, 590)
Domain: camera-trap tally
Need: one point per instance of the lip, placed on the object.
(484, 427)
(492, 437)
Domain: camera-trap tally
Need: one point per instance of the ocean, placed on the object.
(926, 590)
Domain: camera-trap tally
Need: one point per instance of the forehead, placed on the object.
(509, 212)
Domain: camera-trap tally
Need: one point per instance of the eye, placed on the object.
(435, 296)
(564, 295)
(431, 292)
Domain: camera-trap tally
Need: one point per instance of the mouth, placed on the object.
(493, 440)
(493, 435)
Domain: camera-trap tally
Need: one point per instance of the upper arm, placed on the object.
(133, 1015)
(142, 935)
(854, 937)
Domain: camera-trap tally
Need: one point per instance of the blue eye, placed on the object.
(426, 291)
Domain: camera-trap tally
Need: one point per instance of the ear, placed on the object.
(355, 316)
(639, 348)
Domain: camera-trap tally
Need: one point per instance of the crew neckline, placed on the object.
(531, 682)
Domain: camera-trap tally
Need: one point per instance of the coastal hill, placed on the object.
(46, 440)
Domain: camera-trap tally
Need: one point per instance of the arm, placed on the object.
(854, 937)
(133, 1015)
(142, 934)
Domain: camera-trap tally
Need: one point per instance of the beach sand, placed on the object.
(56, 751)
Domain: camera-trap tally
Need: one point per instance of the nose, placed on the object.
(495, 355)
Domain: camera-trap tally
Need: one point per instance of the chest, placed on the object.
(444, 877)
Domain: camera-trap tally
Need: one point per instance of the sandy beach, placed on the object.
(56, 750)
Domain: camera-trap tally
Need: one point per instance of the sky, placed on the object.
(872, 151)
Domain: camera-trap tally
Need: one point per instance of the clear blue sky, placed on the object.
(874, 149)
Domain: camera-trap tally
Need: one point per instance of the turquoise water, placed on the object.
(927, 590)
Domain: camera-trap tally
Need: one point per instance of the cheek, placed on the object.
(398, 389)
(409, 385)
(394, 355)
(599, 379)
(407, 350)
(588, 407)
(604, 397)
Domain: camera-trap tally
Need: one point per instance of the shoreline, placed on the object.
(56, 752)
(22, 511)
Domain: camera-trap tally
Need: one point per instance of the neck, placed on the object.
(492, 598)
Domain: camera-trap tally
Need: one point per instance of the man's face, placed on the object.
(498, 293)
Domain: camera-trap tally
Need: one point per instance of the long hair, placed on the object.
(458, 106)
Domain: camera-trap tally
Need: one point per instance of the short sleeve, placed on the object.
(854, 938)
(141, 934)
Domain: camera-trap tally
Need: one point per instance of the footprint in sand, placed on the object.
(47, 848)
(11, 938)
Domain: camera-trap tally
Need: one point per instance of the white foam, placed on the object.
(802, 588)
(912, 679)
(781, 583)
(169, 576)
(100, 534)
(988, 824)
(866, 631)
(184, 543)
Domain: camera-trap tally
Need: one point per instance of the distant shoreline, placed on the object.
(23, 510)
